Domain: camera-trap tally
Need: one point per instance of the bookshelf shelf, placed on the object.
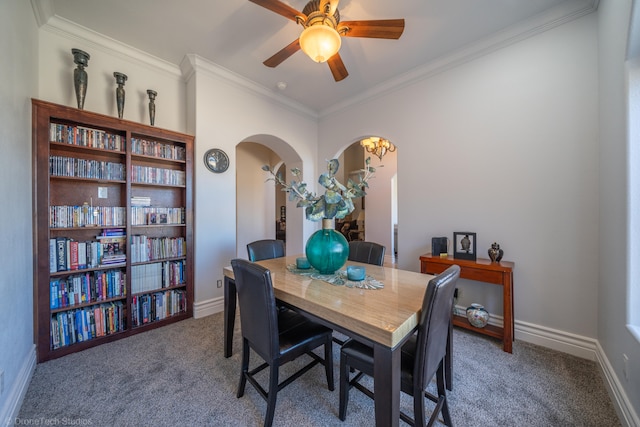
(87, 170)
(148, 184)
(86, 304)
(168, 288)
(180, 258)
(78, 179)
(143, 157)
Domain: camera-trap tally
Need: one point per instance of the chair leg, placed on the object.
(244, 367)
(328, 363)
(442, 392)
(271, 395)
(344, 387)
(419, 412)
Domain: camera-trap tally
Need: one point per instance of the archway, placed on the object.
(256, 210)
(376, 216)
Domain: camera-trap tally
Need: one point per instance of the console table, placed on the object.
(481, 270)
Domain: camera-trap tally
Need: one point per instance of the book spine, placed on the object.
(73, 255)
(61, 254)
(53, 265)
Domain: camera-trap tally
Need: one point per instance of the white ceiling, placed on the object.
(238, 35)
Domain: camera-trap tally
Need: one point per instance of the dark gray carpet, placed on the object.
(177, 376)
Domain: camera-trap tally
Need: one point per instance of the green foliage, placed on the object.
(337, 200)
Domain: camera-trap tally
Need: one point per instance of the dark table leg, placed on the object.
(386, 385)
(230, 296)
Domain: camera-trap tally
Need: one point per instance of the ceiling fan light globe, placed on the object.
(320, 42)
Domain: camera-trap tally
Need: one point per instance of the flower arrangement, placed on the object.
(337, 200)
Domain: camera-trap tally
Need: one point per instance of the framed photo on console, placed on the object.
(464, 245)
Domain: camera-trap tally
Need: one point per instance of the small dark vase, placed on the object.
(120, 79)
(327, 250)
(495, 253)
(80, 77)
(152, 106)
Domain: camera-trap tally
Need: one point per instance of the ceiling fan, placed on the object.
(323, 30)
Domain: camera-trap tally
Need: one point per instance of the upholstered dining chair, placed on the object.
(423, 355)
(367, 252)
(277, 336)
(265, 249)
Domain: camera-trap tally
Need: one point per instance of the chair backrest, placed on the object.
(265, 249)
(433, 328)
(368, 252)
(258, 316)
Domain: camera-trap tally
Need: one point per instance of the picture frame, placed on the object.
(464, 245)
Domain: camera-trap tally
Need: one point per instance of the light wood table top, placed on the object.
(385, 316)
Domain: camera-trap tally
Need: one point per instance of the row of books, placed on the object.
(74, 326)
(157, 306)
(85, 288)
(152, 175)
(66, 254)
(151, 277)
(145, 248)
(86, 168)
(140, 201)
(87, 216)
(86, 137)
(146, 215)
(157, 149)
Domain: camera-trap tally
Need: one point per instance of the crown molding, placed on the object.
(43, 10)
(192, 64)
(566, 12)
(54, 24)
(545, 21)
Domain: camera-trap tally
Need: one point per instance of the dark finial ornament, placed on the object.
(120, 79)
(80, 77)
(152, 106)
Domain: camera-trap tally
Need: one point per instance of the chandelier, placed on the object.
(378, 146)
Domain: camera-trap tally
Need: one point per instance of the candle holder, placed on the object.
(80, 77)
(120, 79)
(152, 106)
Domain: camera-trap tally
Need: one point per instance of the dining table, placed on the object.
(382, 316)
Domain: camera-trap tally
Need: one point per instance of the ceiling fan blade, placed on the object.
(337, 67)
(283, 54)
(280, 8)
(379, 29)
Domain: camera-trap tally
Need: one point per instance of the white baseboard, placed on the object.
(577, 345)
(555, 339)
(11, 408)
(208, 307)
(626, 413)
(546, 337)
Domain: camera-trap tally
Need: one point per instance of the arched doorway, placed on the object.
(257, 208)
(376, 215)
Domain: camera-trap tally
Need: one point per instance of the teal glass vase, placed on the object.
(327, 250)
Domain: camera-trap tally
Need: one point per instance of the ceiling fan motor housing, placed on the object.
(317, 16)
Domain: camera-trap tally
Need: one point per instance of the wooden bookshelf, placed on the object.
(91, 173)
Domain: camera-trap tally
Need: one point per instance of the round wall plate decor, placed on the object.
(216, 160)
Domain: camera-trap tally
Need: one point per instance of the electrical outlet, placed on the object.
(219, 283)
(1, 382)
(625, 367)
